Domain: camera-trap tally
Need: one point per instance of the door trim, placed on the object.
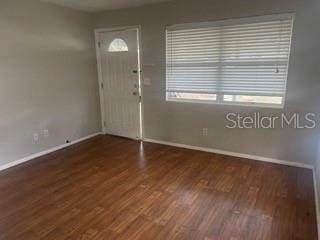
(100, 79)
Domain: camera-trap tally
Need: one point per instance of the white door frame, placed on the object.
(101, 92)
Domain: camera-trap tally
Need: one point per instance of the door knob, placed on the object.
(134, 93)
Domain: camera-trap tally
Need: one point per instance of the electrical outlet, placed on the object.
(205, 131)
(36, 137)
(46, 133)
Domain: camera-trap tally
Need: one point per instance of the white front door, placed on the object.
(120, 70)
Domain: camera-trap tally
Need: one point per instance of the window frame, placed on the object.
(219, 97)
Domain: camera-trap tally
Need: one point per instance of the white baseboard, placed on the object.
(233, 154)
(316, 198)
(36, 155)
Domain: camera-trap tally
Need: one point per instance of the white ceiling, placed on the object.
(99, 5)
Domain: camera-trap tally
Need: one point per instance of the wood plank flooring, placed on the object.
(113, 188)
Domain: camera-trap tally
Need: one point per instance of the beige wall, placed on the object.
(183, 122)
(48, 77)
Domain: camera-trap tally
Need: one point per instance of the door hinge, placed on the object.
(99, 44)
(102, 85)
(104, 124)
(140, 98)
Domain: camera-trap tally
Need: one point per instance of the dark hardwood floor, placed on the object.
(113, 188)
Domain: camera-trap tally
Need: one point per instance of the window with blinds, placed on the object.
(242, 61)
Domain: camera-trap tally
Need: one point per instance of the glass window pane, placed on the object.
(118, 45)
(192, 96)
(252, 99)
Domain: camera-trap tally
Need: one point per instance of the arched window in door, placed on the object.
(118, 45)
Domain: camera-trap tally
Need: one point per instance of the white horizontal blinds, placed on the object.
(248, 58)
